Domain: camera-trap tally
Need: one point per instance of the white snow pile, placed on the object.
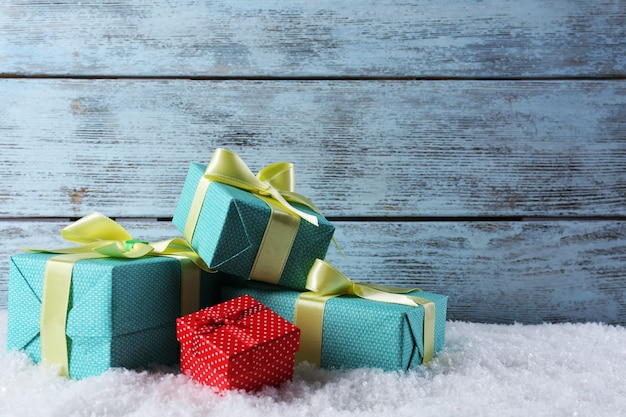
(485, 370)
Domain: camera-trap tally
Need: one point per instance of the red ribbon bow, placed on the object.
(212, 321)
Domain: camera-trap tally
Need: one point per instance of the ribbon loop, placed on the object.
(280, 175)
(213, 324)
(325, 279)
(94, 227)
(227, 167)
(275, 180)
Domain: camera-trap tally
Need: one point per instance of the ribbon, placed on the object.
(101, 237)
(208, 321)
(324, 282)
(104, 237)
(280, 233)
(207, 324)
(277, 181)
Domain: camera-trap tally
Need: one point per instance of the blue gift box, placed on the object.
(122, 312)
(357, 332)
(231, 226)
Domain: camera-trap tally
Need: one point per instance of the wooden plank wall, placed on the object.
(472, 148)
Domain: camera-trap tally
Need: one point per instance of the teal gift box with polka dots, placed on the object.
(231, 228)
(122, 312)
(357, 332)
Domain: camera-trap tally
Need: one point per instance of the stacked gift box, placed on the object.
(241, 299)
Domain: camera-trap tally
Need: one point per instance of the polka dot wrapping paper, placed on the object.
(356, 332)
(231, 227)
(122, 312)
(237, 344)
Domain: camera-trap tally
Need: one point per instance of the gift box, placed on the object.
(121, 313)
(238, 344)
(250, 235)
(356, 332)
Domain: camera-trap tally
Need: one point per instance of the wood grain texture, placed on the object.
(384, 148)
(415, 38)
(390, 110)
(499, 272)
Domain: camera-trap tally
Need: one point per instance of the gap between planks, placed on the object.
(375, 219)
(600, 77)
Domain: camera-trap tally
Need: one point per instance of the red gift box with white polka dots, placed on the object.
(238, 344)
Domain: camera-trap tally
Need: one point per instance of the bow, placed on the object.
(103, 237)
(277, 181)
(206, 324)
(326, 280)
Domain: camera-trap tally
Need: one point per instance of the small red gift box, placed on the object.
(238, 344)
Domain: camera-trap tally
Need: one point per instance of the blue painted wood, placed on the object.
(502, 272)
(518, 113)
(492, 271)
(414, 38)
(376, 148)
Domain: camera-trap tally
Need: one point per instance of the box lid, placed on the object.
(232, 327)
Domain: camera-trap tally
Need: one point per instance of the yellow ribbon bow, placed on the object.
(277, 181)
(101, 237)
(325, 281)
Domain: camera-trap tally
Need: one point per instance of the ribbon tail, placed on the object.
(370, 293)
(429, 330)
(395, 290)
(300, 199)
(306, 216)
(75, 249)
(179, 248)
(398, 296)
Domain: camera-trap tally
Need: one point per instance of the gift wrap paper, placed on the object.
(237, 344)
(231, 226)
(122, 312)
(357, 332)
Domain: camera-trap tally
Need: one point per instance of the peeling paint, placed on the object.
(76, 106)
(76, 196)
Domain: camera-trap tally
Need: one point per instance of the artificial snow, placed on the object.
(485, 370)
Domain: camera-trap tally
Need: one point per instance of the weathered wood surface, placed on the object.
(376, 148)
(404, 120)
(492, 271)
(458, 38)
